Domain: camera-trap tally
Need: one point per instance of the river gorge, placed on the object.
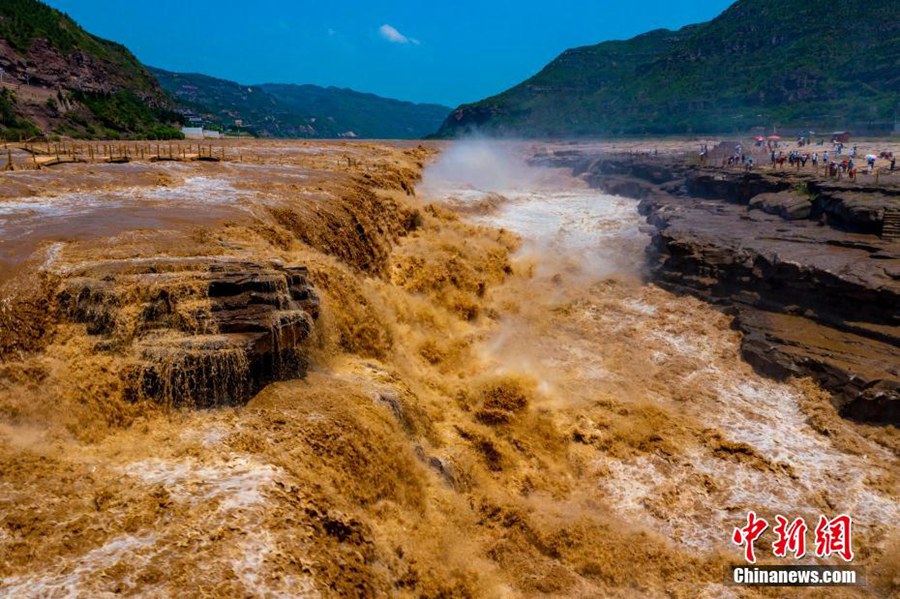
(360, 368)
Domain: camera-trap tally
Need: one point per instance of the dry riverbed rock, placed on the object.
(786, 204)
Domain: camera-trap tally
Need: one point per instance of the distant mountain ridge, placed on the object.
(301, 111)
(58, 78)
(761, 63)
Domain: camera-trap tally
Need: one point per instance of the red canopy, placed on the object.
(759, 138)
(774, 138)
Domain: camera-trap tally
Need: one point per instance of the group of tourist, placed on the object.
(738, 158)
(834, 167)
(836, 163)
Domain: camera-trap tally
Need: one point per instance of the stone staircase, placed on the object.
(891, 227)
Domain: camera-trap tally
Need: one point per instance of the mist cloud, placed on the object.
(481, 164)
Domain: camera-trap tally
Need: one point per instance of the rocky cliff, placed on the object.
(796, 259)
(59, 78)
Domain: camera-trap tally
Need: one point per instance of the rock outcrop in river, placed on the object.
(202, 332)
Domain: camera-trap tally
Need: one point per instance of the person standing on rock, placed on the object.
(893, 163)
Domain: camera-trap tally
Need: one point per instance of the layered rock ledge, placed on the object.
(798, 260)
(199, 332)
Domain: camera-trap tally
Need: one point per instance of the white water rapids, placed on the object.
(624, 336)
(643, 443)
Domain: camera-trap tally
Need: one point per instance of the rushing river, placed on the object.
(578, 432)
(591, 327)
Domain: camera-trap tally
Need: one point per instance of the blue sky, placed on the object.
(445, 52)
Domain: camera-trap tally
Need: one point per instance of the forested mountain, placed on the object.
(308, 111)
(762, 63)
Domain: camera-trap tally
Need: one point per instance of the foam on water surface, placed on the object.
(238, 482)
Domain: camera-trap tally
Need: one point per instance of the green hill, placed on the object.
(59, 78)
(305, 111)
(762, 63)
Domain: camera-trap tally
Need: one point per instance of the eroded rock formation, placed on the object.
(200, 332)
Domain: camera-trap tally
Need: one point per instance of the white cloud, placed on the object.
(395, 37)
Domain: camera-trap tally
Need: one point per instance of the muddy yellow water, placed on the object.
(499, 406)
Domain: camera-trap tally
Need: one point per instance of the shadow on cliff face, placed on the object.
(497, 405)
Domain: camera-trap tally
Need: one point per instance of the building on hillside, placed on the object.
(199, 133)
(192, 132)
